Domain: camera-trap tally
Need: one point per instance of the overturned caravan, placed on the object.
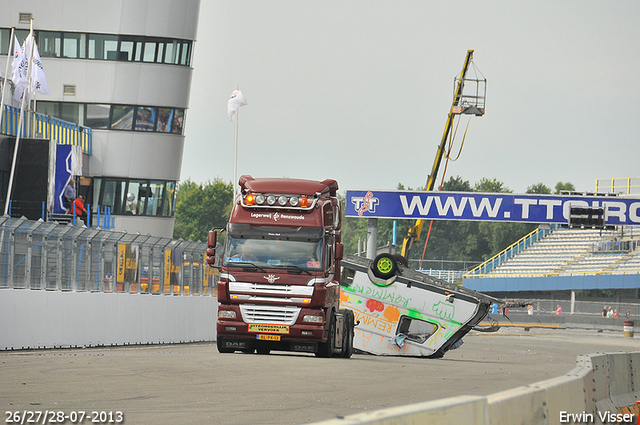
(401, 312)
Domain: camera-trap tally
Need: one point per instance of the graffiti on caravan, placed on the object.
(487, 206)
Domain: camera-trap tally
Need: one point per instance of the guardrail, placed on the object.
(41, 126)
(602, 388)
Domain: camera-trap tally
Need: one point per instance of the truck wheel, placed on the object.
(221, 348)
(263, 350)
(384, 266)
(325, 349)
(347, 342)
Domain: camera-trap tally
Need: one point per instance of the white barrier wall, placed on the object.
(48, 319)
(591, 393)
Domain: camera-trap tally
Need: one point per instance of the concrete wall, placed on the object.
(600, 384)
(45, 319)
(552, 283)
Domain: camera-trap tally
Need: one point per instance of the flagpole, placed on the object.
(20, 123)
(235, 102)
(6, 75)
(235, 160)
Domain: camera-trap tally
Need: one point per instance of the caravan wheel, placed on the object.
(384, 266)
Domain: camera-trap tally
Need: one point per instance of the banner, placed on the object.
(68, 165)
(507, 207)
(128, 256)
(172, 269)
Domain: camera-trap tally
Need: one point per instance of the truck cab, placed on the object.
(279, 282)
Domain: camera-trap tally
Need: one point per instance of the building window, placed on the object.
(116, 117)
(121, 117)
(50, 44)
(126, 48)
(97, 116)
(177, 122)
(134, 196)
(103, 46)
(145, 118)
(149, 51)
(75, 45)
(71, 112)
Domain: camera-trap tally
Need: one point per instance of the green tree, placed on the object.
(539, 188)
(201, 207)
(564, 187)
(491, 186)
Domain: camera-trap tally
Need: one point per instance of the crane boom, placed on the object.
(415, 231)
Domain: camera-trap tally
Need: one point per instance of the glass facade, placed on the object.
(125, 48)
(116, 117)
(134, 196)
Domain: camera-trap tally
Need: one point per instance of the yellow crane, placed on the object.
(469, 104)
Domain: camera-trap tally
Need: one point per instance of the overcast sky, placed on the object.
(359, 91)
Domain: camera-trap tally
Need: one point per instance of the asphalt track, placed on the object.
(194, 384)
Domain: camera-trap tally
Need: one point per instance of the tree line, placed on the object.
(205, 206)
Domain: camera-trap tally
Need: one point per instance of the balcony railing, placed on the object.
(40, 126)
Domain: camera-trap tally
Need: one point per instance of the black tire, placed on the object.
(325, 349)
(401, 260)
(384, 266)
(263, 350)
(347, 341)
(222, 348)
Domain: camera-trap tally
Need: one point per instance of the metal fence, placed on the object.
(50, 256)
(578, 307)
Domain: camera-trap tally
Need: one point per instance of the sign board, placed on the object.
(506, 207)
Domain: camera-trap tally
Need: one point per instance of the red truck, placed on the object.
(279, 281)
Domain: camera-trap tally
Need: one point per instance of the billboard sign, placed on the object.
(507, 207)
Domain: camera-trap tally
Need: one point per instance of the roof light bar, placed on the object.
(264, 200)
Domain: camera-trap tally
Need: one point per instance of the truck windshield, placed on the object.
(268, 246)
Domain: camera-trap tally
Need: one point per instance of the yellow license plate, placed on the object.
(266, 328)
(268, 337)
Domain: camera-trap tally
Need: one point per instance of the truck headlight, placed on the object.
(312, 318)
(227, 314)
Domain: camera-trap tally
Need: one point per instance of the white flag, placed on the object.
(20, 66)
(38, 79)
(19, 78)
(237, 100)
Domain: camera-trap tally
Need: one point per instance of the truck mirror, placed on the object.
(211, 245)
(339, 251)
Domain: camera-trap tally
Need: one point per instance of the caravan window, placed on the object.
(415, 329)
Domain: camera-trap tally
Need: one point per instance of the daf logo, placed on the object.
(271, 278)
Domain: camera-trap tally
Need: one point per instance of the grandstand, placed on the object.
(557, 253)
(577, 251)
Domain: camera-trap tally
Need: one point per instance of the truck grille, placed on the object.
(269, 314)
(264, 288)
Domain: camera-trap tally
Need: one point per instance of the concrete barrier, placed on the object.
(595, 391)
(51, 319)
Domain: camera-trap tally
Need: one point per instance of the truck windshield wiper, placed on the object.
(294, 269)
(246, 265)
